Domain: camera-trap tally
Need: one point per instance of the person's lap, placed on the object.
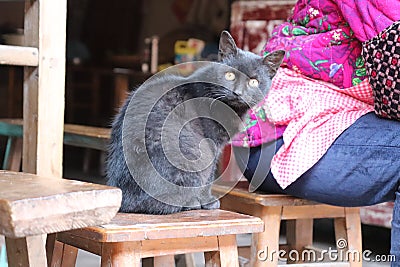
(362, 167)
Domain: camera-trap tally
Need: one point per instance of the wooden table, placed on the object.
(32, 206)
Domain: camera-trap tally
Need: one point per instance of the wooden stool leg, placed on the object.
(120, 254)
(13, 154)
(189, 260)
(265, 245)
(354, 239)
(87, 156)
(299, 235)
(63, 255)
(164, 261)
(340, 234)
(228, 251)
(28, 252)
(212, 259)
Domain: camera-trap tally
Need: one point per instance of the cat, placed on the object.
(197, 131)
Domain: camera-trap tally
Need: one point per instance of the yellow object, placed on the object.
(183, 52)
(164, 66)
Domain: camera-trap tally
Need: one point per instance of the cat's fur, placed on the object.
(190, 136)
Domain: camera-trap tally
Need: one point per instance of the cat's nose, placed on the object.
(239, 91)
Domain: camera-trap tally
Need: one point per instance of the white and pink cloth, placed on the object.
(315, 113)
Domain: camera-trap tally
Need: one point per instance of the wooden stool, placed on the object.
(130, 237)
(273, 208)
(32, 206)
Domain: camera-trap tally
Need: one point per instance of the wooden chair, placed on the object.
(299, 213)
(253, 21)
(32, 206)
(130, 237)
(43, 58)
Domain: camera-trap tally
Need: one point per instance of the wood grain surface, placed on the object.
(33, 205)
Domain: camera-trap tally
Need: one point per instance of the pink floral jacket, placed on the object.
(322, 40)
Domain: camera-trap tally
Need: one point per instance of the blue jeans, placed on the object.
(361, 168)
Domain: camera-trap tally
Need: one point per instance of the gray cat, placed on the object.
(169, 165)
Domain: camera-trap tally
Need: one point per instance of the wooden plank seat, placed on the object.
(32, 206)
(130, 237)
(74, 135)
(299, 214)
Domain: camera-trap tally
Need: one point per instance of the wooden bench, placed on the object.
(74, 135)
(32, 206)
(299, 213)
(130, 237)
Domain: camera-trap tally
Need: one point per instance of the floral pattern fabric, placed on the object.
(258, 129)
(323, 42)
(320, 44)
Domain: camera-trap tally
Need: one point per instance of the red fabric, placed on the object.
(367, 18)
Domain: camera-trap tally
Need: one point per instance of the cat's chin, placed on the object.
(239, 107)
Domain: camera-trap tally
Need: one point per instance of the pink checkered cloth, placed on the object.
(316, 113)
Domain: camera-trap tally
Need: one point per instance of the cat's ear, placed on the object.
(227, 46)
(273, 61)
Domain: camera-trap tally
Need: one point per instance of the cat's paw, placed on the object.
(191, 204)
(211, 206)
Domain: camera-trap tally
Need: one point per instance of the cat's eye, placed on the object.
(254, 83)
(230, 76)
